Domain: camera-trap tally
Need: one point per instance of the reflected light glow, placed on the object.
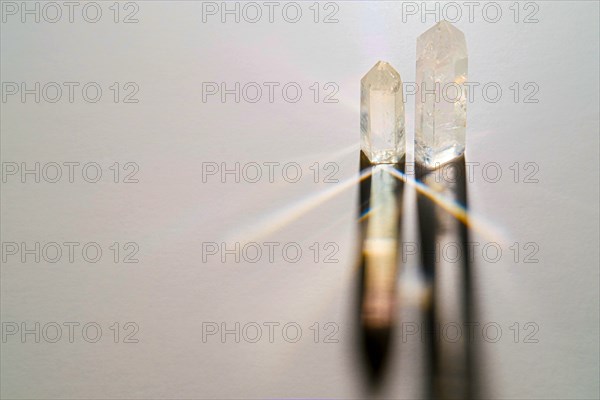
(282, 217)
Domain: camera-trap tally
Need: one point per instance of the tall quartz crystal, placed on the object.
(382, 114)
(441, 98)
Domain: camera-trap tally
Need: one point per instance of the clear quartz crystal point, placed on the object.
(441, 98)
(382, 114)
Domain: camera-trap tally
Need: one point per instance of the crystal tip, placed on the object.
(381, 71)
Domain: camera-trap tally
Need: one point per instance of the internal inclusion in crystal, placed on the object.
(440, 123)
(382, 114)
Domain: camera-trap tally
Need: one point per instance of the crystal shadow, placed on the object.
(376, 293)
(450, 371)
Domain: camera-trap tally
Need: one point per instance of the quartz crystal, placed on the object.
(441, 98)
(382, 114)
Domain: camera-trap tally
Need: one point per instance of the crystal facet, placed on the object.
(441, 98)
(382, 114)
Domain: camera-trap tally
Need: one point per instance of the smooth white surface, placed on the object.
(169, 53)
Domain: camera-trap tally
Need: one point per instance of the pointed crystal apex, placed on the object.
(382, 114)
(441, 98)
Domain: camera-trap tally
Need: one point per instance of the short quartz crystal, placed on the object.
(382, 114)
(441, 98)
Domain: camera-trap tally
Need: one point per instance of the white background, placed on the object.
(170, 132)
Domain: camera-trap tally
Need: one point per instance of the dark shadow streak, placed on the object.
(450, 372)
(374, 342)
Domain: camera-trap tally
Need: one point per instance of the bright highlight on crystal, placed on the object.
(441, 99)
(382, 115)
